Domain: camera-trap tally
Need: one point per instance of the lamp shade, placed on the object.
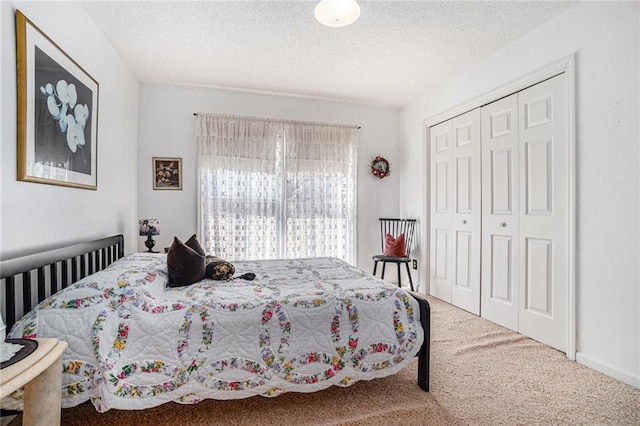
(337, 13)
(149, 227)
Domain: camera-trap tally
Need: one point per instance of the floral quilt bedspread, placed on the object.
(302, 325)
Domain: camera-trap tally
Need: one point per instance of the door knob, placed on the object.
(503, 224)
(464, 222)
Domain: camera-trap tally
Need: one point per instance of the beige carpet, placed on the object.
(481, 374)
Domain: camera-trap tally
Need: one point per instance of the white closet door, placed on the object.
(441, 203)
(500, 254)
(465, 233)
(543, 222)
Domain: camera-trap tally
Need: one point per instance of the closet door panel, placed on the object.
(544, 237)
(466, 214)
(440, 245)
(500, 282)
(538, 291)
(500, 171)
(500, 183)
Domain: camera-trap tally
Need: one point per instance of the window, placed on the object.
(276, 189)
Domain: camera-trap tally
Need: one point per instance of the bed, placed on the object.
(301, 325)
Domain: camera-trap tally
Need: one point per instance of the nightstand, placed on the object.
(41, 375)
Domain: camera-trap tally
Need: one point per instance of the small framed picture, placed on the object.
(167, 173)
(57, 113)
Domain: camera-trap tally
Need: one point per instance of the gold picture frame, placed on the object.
(167, 173)
(57, 113)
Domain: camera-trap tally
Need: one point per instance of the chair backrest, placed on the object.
(395, 227)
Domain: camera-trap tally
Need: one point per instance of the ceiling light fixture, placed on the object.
(337, 13)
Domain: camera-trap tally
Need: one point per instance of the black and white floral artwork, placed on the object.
(62, 117)
(57, 113)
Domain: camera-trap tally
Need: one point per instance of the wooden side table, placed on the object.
(41, 375)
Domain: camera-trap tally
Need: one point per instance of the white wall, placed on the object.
(167, 129)
(605, 38)
(35, 216)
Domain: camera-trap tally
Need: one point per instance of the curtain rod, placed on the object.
(195, 114)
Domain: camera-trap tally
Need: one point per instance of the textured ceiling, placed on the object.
(393, 53)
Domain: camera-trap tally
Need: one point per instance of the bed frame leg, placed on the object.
(424, 354)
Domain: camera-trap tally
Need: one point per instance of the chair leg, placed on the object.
(375, 267)
(399, 275)
(384, 266)
(409, 273)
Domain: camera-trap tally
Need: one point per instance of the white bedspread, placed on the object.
(302, 325)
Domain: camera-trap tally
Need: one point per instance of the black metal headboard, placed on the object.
(51, 271)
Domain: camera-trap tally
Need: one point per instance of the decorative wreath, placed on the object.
(380, 167)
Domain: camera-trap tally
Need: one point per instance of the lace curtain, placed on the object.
(276, 189)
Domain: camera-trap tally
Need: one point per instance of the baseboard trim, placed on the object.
(608, 369)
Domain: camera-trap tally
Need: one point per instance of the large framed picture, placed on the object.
(167, 173)
(57, 113)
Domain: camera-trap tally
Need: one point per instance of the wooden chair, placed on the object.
(395, 228)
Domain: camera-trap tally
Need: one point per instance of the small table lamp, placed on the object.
(149, 227)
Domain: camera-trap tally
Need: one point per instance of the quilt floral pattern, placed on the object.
(302, 325)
